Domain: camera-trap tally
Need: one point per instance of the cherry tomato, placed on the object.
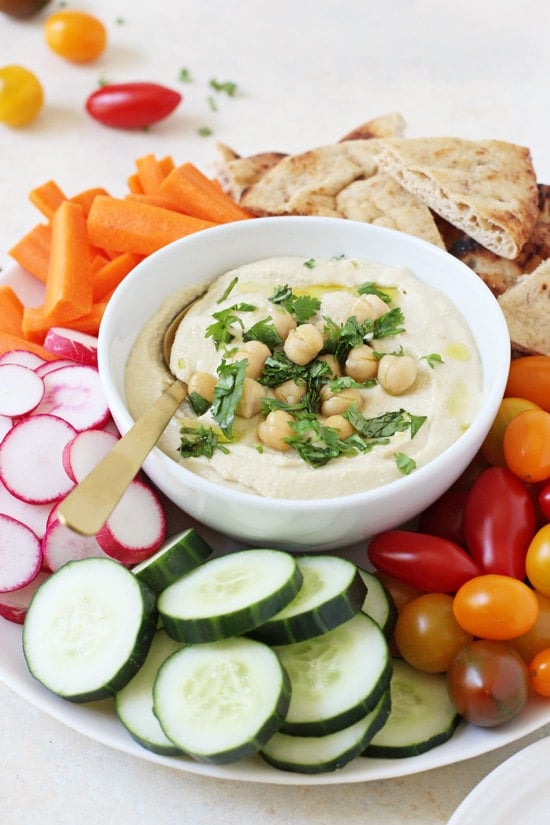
(492, 447)
(539, 672)
(499, 522)
(488, 683)
(527, 445)
(445, 516)
(427, 634)
(132, 105)
(75, 35)
(401, 593)
(538, 637)
(22, 9)
(431, 563)
(537, 562)
(529, 377)
(544, 500)
(21, 96)
(495, 607)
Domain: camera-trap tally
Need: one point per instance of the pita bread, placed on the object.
(526, 308)
(486, 188)
(391, 125)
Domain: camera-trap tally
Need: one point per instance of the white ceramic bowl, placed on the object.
(302, 524)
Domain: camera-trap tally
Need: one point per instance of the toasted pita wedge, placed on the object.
(486, 188)
(391, 125)
(526, 307)
(236, 174)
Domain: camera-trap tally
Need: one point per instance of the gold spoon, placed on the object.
(88, 506)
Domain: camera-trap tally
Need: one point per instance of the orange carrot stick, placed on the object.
(129, 226)
(150, 173)
(195, 194)
(11, 310)
(86, 197)
(154, 200)
(32, 251)
(14, 342)
(112, 273)
(134, 184)
(47, 197)
(69, 284)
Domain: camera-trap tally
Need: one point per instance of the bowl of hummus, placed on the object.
(340, 376)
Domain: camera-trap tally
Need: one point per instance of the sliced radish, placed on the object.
(75, 394)
(23, 357)
(34, 516)
(31, 459)
(85, 450)
(137, 526)
(21, 389)
(69, 343)
(5, 425)
(50, 366)
(111, 427)
(60, 545)
(18, 566)
(15, 603)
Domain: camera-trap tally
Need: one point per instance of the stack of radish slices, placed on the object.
(55, 425)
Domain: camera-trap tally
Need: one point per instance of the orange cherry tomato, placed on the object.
(529, 377)
(492, 448)
(75, 35)
(539, 672)
(526, 445)
(495, 607)
(538, 637)
(537, 560)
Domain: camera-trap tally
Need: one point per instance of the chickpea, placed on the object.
(336, 403)
(256, 353)
(335, 370)
(368, 307)
(303, 344)
(361, 363)
(274, 428)
(397, 373)
(338, 422)
(290, 392)
(283, 323)
(250, 403)
(203, 384)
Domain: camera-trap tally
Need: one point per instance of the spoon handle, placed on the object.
(88, 506)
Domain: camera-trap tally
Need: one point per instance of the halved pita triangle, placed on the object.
(526, 308)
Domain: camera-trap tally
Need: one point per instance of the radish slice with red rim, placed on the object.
(23, 357)
(31, 459)
(61, 545)
(50, 366)
(34, 516)
(69, 343)
(137, 526)
(75, 394)
(15, 603)
(21, 389)
(85, 450)
(5, 425)
(19, 568)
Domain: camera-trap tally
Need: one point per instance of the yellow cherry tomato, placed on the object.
(492, 449)
(537, 561)
(75, 35)
(21, 95)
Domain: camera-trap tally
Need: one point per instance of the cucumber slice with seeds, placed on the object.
(336, 678)
(332, 592)
(221, 701)
(178, 555)
(422, 714)
(321, 754)
(378, 603)
(134, 703)
(229, 595)
(88, 629)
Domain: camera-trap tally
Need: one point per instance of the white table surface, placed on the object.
(307, 71)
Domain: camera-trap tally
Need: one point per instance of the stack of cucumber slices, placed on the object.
(219, 658)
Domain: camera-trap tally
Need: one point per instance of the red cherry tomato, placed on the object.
(445, 517)
(499, 522)
(132, 105)
(544, 500)
(495, 607)
(529, 377)
(430, 563)
(488, 683)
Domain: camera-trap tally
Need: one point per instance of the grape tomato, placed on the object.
(526, 445)
(529, 377)
(492, 447)
(537, 561)
(75, 35)
(132, 105)
(495, 607)
(539, 672)
(538, 637)
(444, 517)
(21, 96)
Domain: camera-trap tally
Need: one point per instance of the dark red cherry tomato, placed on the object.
(430, 563)
(499, 522)
(22, 9)
(544, 500)
(444, 517)
(132, 105)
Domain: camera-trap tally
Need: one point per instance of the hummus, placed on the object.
(417, 323)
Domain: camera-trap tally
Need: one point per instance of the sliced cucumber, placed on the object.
(88, 629)
(229, 595)
(177, 556)
(320, 754)
(221, 701)
(332, 592)
(336, 678)
(422, 714)
(378, 603)
(134, 703)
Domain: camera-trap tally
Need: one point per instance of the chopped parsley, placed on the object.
(199, 441)
(405, 464)
(228, 290)
(370, 288)
(265, 332)
(227, 86)
(432, 359)
(385, 425)
(317, 444)
(198, 403)
(227, 394)
(301, 307)
(220, 331)
(185, 76)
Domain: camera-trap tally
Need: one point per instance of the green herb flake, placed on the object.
(265, 332)
(199, 441)
(228, 290)
(198, 403)
(405, 464)
(204, 131)
(302, 307)
(212, 103)
(185, 76)
(220, 330)
(370, 288)
(227, 394)
(311, 263)
(228, 87)
(432, 359)
(317, 444)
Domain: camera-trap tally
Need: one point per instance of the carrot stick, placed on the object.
(166, 164)
(154, 200)
(47, 197)
(195, 194)
(11, 310)
(134, 184)
(110, 275)
(69, 284)
(90, 322)
(32, 251)
(35, 324)
(14, 342)
(129, 226)
(150, 173)
(86, 197)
